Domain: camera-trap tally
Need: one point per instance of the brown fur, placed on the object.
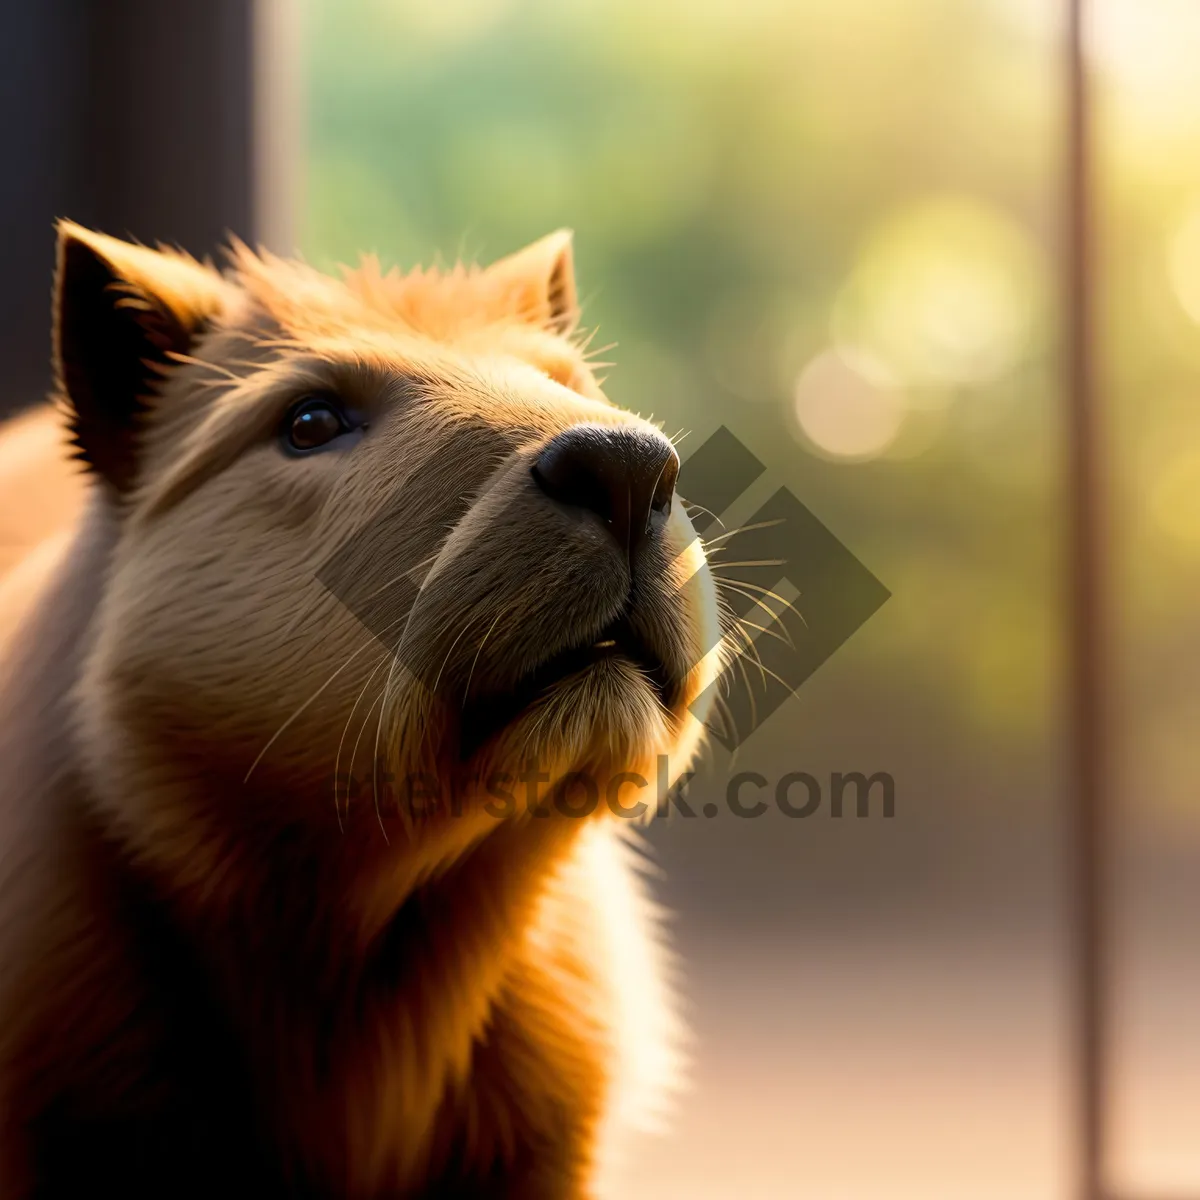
(217, 976)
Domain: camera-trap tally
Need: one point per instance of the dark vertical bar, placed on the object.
(135, 117)
(1089, 801)
(166, 124)
(42, 49)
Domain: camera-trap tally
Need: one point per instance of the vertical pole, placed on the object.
(1089, 800)
(135, 117)
(277, 108)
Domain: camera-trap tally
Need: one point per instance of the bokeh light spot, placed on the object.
(945, 292)
(844, 408)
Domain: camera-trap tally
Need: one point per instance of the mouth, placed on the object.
(485, 716)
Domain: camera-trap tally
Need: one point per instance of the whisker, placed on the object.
(337, 761)
(721, 705)
(767, 631)
(778, 678)
(357, 742)
(692, 506)
(785, 605)
(405, 575)
(748, 648)
(383, 696)
(754, 587)
(379, 723)
(478, 652)
(741, 662)
(470, 620)
(275, 736)
(657, 479)
(757, 562)
(758, 602)
(742, 529)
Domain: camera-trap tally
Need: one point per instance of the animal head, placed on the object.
(370, 530)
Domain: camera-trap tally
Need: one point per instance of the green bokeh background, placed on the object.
(836, 226)
(754, 183)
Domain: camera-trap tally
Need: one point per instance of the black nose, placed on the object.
(620, 474)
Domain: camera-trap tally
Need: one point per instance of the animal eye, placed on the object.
(312, 423)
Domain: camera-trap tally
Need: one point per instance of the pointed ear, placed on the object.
(120, 312)
(538, 282)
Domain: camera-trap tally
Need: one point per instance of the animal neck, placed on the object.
(358, 985)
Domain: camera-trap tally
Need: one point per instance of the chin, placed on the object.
(603, 719)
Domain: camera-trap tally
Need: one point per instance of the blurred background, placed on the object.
(837, 230)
